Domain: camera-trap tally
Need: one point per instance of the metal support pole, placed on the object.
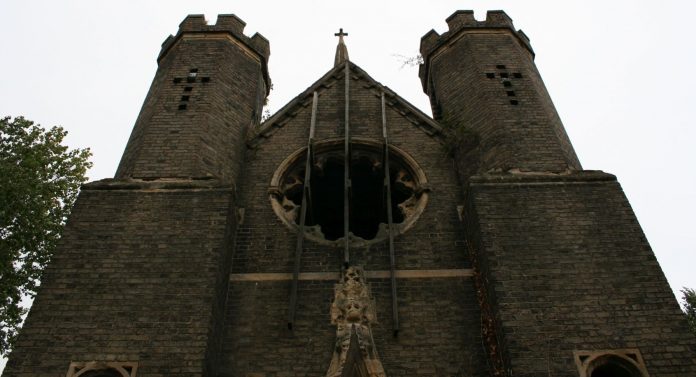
(306, 202)
(390, 223)
(346, 173)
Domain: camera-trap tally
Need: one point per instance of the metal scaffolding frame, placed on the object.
(347, 196)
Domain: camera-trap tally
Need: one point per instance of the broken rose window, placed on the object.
(368, 194)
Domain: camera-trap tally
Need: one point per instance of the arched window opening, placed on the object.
(611, 370)
(102, 369)
(613, 366)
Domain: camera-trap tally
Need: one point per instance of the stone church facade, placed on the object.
(350, 234)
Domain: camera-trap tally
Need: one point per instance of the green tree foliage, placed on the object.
(689, 303)
(39, 182)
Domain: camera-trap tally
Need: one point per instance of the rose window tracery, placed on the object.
(368, 192)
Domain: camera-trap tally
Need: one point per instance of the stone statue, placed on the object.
(352, 311)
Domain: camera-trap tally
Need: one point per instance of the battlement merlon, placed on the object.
(463, 21)
(226, 24)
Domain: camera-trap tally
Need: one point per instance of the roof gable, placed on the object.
(419, 119)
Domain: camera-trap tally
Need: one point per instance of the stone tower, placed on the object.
(350, 234)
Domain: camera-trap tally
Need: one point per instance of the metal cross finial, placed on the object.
(340, 33)
(341, 49)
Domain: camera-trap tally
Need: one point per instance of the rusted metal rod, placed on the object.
(390, 221)
(306, 202)
(346, 172)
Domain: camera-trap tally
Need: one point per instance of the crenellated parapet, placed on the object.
(228, 24)
(463, 21)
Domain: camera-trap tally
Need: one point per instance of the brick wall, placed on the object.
(440, 321)
(440, 333)
(139, 276)
(567, 268)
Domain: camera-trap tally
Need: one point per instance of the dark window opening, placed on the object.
(612, 370)
(365, 213)
(511, 93)
(103, 373)
(188, 89)
(185, 98)
(205, 79)
(504, 75)
(177, 80)
(613, 366)
(517, 75)
(507, 83)
(368, 196)
(490, 75)
(500, 66)
(182, 106)
(514, 102)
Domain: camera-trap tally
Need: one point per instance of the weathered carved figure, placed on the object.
(352, 311)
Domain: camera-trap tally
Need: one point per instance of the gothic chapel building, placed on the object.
(350, 234)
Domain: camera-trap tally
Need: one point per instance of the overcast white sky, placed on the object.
(621, 74)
